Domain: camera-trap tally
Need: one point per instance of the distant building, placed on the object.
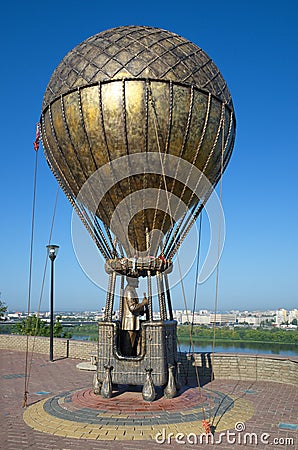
(281, 316)
(293, 314)
(223, 319)
(201, 319)
(15, 315)
(184, 317)
(254, 321)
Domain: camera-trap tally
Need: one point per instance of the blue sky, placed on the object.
(254, 43)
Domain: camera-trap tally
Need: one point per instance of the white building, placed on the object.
(293, 314)
(15, 315)
(281, 316)
(223, 319)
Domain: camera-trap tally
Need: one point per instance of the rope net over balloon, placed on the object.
(138, 126)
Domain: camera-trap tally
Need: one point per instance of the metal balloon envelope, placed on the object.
(137, 90)
(138, 126)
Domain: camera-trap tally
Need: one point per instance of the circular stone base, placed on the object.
(86, 366)
(125, 416)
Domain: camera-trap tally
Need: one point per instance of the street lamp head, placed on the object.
(52, 251)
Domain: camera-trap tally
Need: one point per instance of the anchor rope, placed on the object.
(178, 258)
(29, 355)
(196, 284)
(217, 268)
(43, 280)
(36, 147)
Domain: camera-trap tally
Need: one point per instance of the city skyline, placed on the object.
(255, 52)
(279, 311)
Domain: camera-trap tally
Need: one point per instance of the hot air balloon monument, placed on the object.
(137, 126)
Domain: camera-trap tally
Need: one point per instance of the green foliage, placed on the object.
(240, 334)
(34, 326)
(3, 308)
(7, 328)
(204, 333)
(59, 331)
(90, 330)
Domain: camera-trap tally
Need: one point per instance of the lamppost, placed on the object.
(52, 253)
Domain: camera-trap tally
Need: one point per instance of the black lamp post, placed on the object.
(52, 253)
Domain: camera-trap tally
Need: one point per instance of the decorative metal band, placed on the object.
(138, 267)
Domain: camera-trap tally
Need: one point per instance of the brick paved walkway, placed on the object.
(63, 411)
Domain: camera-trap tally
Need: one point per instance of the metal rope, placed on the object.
(113, 251)
(194, 161)
(192, 217)
(196, 284)
(85, 173)
(181, 278)
(190, 338)
(128, 159)
(64, 183)
(157, 132)
(30, 273)
(102, 124)
(198, 182)
(186, 133)
(28, 364)
(217, 272)
(43, 283)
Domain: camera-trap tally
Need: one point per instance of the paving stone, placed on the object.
(264, 405)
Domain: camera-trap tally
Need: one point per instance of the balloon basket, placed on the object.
(156, 357)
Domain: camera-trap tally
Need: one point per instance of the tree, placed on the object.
(58, 329)
(3, 309)
(34, 326)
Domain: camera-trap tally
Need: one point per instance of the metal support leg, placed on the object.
(149, 296)
(121, 298)
(161, 296)
(110, 297)
(168, 296)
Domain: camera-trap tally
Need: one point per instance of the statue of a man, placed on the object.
(131, 312)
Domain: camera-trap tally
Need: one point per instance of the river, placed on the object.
(232, 347)
(242, 347)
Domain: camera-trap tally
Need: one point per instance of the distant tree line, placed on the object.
(33, 325)
(240, 334)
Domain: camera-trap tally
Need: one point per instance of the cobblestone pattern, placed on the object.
(133, 420)
(273, 403)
